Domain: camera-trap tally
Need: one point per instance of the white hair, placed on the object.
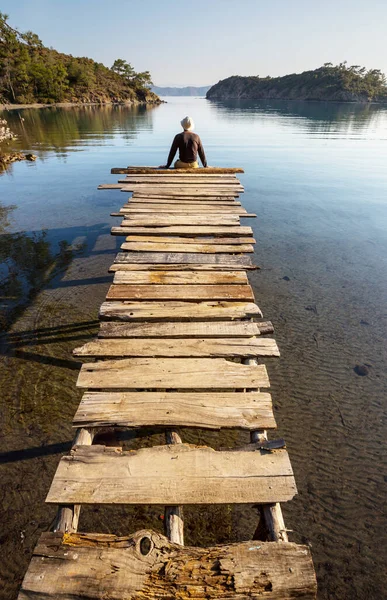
(187, 124)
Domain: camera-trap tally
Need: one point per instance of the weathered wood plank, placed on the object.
(146, 246)
(204, 187)
(179, 193)
(153, 181)
(160, 221)
(181, 277)
(184, 179)
(183, 209)
(168, 196)
(178, 311)
(110, 186)
(182, 201)
(171, 373)
(180, 292)
(187, 230)
(103, 566)
(182, 347)
(186, 240)
(150, 170)
(242, 261)
(174, 267)
(200, 329)
(180, 474)
(176, 409)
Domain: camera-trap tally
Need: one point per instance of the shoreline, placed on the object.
(6, 107)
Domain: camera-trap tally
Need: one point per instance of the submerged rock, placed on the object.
(361, 370)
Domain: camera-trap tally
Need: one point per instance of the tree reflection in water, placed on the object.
(27, 263)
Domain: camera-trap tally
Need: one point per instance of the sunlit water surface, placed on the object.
(315, 174)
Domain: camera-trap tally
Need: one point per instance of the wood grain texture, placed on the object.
(201, 248)
(180, 292)
(186, 230)
(171, 373)
(173, 267)
(102, 566)
(160, 196)
(176, 409)
(160, 221)
(182, 201)
(242, 261)
(182, 347)
(205, 189)
(179, 474)
(186, 240)
(181, 277)
(142, 191)
(197, 329)
(155, 170)
(178, 311)
(181, 209)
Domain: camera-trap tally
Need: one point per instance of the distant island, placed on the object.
(31, 73)
(338, 83)
(181, 91)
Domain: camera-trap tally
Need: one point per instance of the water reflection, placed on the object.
(65, 129)
(316, 117)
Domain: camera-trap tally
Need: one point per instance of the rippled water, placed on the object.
(316, 176)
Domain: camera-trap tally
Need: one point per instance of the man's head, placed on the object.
(187, 124)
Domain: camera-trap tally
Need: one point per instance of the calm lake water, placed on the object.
(315, 174)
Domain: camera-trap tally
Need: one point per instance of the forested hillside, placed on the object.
(31, 73)
(335, 83)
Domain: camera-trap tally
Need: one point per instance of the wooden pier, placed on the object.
(181, 344)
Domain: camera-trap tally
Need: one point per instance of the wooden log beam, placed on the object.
(67, 517)
(271, 513)
(147, 565)
(174, 515)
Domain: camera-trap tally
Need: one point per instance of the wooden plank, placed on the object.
(173, 267)
(175, 187)
(189, 231)
(179, 193)
(180, 292)
(171, 373)
(186, 198)
(182, 176)
(180, 474)
(205, 248)
(160, 221)
(178, 311)
(149, 170)
(181, 277)
(181, 201)
(103, 566)
(187, 240)
(110, 186)
(182, 347)
(180, 180)
(242, 261)
(175, 409)
(201, 329)
(181, 208)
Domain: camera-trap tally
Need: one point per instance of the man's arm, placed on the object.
(172, 153)
(201, 153)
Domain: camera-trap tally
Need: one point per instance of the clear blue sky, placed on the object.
(212, 39)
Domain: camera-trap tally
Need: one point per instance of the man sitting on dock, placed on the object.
(189, 145)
